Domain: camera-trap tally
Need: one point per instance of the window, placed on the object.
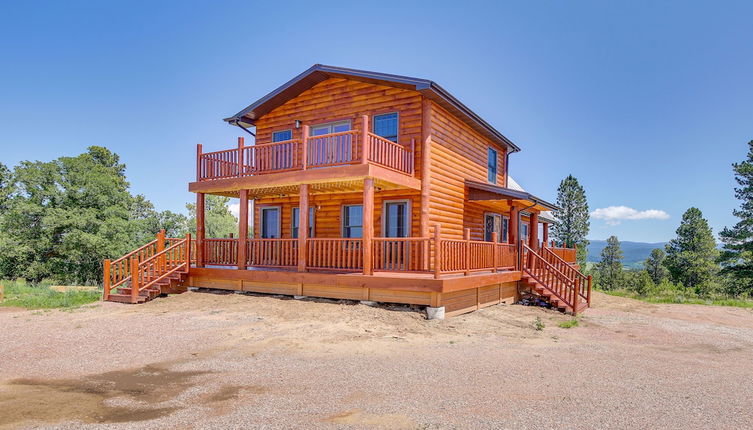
(492, 165)
(386, 126)
(505, 229)
(331, 127)
(396, 219)
(524, 233)
(496, 223)
(281, 136)
(270, 223)
(352, 221)
(295, 222)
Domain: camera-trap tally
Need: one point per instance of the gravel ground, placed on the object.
(202, 360)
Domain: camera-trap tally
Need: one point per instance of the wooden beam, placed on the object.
(303, 226)
(199, 229)
(545, 239)
(242, 229)
(368, 224)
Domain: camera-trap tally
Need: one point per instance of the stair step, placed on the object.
(125, 298)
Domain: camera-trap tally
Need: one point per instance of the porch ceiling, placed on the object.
(318, 188)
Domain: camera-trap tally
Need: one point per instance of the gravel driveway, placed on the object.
(203, 360)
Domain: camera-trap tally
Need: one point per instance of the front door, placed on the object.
(396, 254)
(330, 150)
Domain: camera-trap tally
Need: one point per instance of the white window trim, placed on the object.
(373, 123)
(408, 212)
(313, 221)
(342, 218)
(279, 220)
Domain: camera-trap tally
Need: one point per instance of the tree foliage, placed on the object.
(218, 221)
(572, 223)
(61, 218)
(654, 265)
(609, 269)
(737, 257)
(692, 255)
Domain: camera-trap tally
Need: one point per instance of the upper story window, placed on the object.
(332, 127)
(492, 165)
(352, 221)
(282, 135)
(386, 126)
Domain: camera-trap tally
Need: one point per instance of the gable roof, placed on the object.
(319, 73)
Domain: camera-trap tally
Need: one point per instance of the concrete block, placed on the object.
(369, 302)
(435, 313)
(300, 297)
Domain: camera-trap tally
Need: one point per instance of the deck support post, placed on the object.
(304, 147)
(303, 226)
(240, 156)
(545, 234)
(106, 281)
(467, 238)
(437, 251)
(188, 252)
(588, 293)
(495, 251)
(199, 229)
(134, 280)
(365, 150)
(513, 234)
(161, 247)
(368, 224)
(242, 229)
(533, 236)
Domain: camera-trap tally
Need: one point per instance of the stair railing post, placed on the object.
(161, 247)
(365, 150)
(198, 162)
(187, 256)
(412, 157)
(467, 238)
(495, 251)
(588, 293)
(106, 281)
(437, 251)
(134, 280)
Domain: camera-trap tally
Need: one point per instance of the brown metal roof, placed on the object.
(495, 192)
(319, 73)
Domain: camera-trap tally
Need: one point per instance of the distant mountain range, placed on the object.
(635, 253)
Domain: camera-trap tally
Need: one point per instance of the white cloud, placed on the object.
(613, 215)
(235, 209)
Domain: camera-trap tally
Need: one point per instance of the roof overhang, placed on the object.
(319, 73)
(480, 191)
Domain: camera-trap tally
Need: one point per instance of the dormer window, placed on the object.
(492, 165)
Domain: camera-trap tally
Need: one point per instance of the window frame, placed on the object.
(312, 221)
(397, 131)
(489, 177)
(343, 209)
(290, 130)
(331, 125)
(261, 221)
(408, 212)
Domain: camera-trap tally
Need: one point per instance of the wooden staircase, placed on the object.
(557, 281)
(156, 269)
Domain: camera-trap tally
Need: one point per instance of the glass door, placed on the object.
(396, 254)
(330, 150)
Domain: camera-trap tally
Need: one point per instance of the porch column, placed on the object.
(303, 225)
(533, 234)
(199, 229)
(513, 234)
(368, 224)
(545, 239)
(365, 150)
(242, 229)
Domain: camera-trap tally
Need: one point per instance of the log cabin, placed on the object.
(364, 186)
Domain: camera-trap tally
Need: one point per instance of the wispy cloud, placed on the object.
(613, 215)
(235, 208)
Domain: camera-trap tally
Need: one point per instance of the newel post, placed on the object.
(412, 157)
(495, 251)
(199, 229)
(242, 229)
(198, 162)
(240, 156)
(437, 251)
(588, 293)
(368, 224)
(188, 252)
(106, 281)
(467, 238)
(161, 247)
(303, 226)
(365, 149)
(134, 280)
(304, 147)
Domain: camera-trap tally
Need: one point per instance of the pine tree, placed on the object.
(654, 265)
(572, 220)
(737, 258)
(691, 257)
(609, 269)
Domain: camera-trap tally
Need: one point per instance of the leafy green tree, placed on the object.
(737, 257)
(572, 223)
(609, 269)
(218, 221)
(644, 285)
(654, 265)
(691, 256)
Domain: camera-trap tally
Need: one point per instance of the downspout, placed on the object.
(236, 122)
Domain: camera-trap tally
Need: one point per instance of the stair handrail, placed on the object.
(570, 283)
(578, 274)
(136, 286)
(110, 283)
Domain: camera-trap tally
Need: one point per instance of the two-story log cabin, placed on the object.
(406, 199)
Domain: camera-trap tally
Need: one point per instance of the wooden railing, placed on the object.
(570, 287)
(333, 149)
(334, 254)
(390, 154)
(221, 252)
(404, 254)
(118, 272)
(272, 252)
(582, 283)
(273, 157)
(566, 254)
(218, 165)
(173, 259)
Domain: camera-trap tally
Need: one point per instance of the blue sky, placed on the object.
(647, 103)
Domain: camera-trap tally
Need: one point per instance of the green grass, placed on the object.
(569, 324)
(23, 295)
(681, 297)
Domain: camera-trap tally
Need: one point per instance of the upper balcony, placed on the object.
(346, 148)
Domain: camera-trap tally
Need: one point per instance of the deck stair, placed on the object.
(558, 282)
(156, 269)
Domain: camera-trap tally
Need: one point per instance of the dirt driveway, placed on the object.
(201, 360)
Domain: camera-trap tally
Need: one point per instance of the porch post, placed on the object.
(242, 229)
(199, 229)
(303, 226)
(513, 234)
(241, 143)
(304, 147)
(425, 146)
(545, 239)
(368, 224)
(534, 231)
(365, 139)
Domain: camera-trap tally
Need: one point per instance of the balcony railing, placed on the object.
(334, 149)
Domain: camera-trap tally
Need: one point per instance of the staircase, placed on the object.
(557, 281)
(158, 268)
